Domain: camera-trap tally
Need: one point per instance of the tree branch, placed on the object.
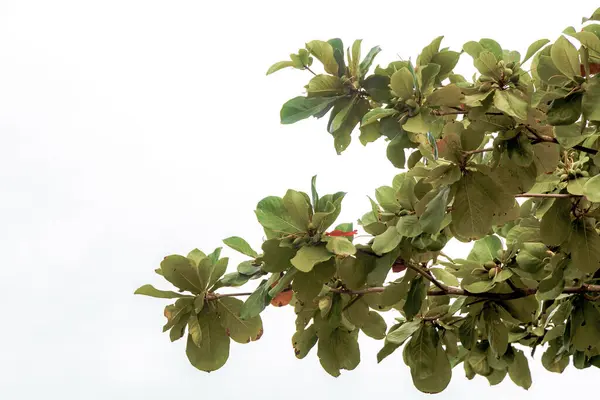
(549, 139)
(547, 195)
(447, 291)
(471, 152)
(216, 296)
(427, 275)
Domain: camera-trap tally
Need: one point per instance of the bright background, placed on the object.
(130, 130)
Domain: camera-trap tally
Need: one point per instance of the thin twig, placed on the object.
(306, 67)
(470, 152)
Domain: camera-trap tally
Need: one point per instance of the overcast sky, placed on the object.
(135, 129)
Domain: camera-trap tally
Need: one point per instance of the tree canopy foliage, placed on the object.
(508, 160)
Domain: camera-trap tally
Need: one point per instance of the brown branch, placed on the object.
(547, 195)
(216, 296)
(550, 139)
(471, 152)
(427, 275)
(447, 291)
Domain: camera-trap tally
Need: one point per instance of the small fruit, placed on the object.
(489, 265)
(510, 65)
(585, 174)
(485, 78)
(492, 273)
(507, 72)
(501, 64)
(564, 177)
(514, 78)
(486, 86)
(411, 103)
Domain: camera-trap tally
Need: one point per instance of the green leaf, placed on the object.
(213, 351)
(240, 330)
(416, 124)
(565, 57)
(300, 108)
(473, 49)
(409, 226)
(276, 258)
(149, 290)
(354, 60)
(552, 363)
(551, 287)
(534, 48)
(387, 241)
(279, 65)
(518, 370)
(314, 194)
(368, 60)
(444, 276)
(590, 103)
(217, 270)
(429, 51)
(386, 350)
(272, 213)
(430, 368)
(401, 334)
(376, 114)
(432, 217)
(341, 246)
(178, 329)
(323, 52)
(194, 329)
(256, 302)
(485, 249)
(511, 104)
(298, 208)
(428, 75)
(338, 54)
(339, 350)
(447, 60)
(448, 96)
(467, 333)
(575, 186)
(486, 64)
(233, 279)
(369, 133)
(374, 326)
(308, 256)
(395, 150)
(180, 272)
(479, 286)
(342, 116)
(584, 244)
(569, 135)
(239, 244)
(478, 198)
(325, 86)
(304, 340)
(497, 332)
(591, 189)
(493, 47)
(414, 298)
(402, 84)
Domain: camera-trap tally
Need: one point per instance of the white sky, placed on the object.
(135, 129)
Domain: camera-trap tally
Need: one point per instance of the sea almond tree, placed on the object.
(508, 160)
